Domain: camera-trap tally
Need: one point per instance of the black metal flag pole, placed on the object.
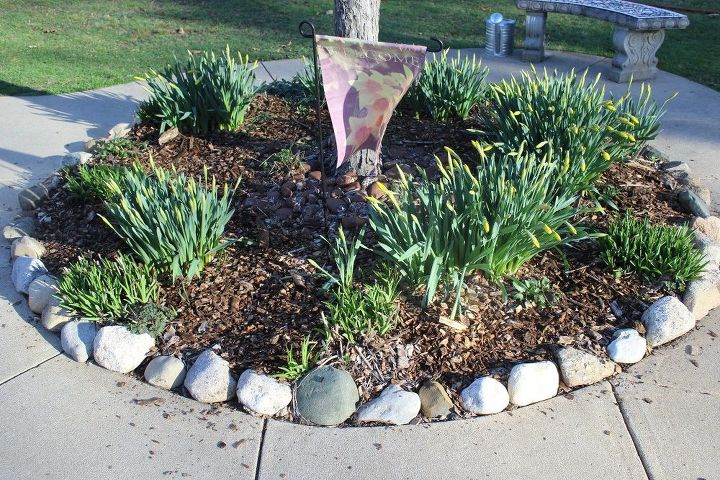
(318, 107)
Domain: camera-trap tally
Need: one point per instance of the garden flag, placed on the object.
(364, 81)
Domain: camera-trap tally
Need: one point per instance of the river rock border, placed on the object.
(327, 395)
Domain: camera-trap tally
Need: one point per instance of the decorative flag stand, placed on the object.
(363, 82)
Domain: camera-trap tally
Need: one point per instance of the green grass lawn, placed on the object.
(54, 46)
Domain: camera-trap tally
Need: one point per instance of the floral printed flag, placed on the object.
(364, 81)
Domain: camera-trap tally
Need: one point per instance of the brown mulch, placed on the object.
(255, 301)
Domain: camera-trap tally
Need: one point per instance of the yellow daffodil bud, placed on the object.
(606, 155)
(534, 240)
(547, 228)
(556, 236)
(571, 229)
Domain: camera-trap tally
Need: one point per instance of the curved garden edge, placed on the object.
(209, 379)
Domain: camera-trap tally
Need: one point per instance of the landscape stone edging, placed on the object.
(479, 398)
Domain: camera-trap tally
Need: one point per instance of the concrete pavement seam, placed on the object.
(31, 368)
(267, 70)
(633, 437)
(260, 449)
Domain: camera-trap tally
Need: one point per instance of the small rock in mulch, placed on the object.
(394, 406)
(209, 379)
(26, 247)
(627, 347)
(581, 368)
(485, 396)
(76, 158)
(434, 401)
(262, 394)
(703, 294)
(40, 292)
(168, 135)
(19, 228)
(77, 339)
(118, 349)
(675, 166)
(665, 320)
(31, 198)
(374, 190)
(532, 382)
(692, 203)
(165, 371)
(119, 131)
(54, 317)
(326, 396)
(24, 271)
(709, 226)
(336, 205)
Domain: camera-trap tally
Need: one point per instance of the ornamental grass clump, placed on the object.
(170, 221)
(586, 131)
(204, 94)
(90, 183)
(102, 290)
(492, 220)
(448, 89)
(655, 252)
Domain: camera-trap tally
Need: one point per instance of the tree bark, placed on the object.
(359, 19)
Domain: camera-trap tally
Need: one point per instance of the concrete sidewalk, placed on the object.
(60, 419)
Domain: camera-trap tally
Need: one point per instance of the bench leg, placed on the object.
(534, 46)
(635, 54)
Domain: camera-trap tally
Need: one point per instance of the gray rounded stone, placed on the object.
(24, 271)
(326, 396)
(394, 406)
(117, 348)
(434, 400)
(693, 204)
(165, 372)
(581, 368)
(32, 197)
(665, 320)
(19, 228)
(209, 379)
(40, 293)
(77, 339)
(703, 294)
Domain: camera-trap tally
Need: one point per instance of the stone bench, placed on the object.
(639, 31)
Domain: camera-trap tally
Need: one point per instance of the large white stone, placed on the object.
(165, 372)
(209, 379)
(77, 339)
(666, 320)
(485, 396)
(627, 347)
(54, 317)
(40, 292)
(582, 368)
(393, 406)
(24, 271)
(19, 228)
(117, 348)
(533, 382)
(262, 394)
(703, 294)
(26, 247)
(709, 226)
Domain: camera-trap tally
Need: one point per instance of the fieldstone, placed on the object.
(665, 320)
(434, 401)
(26, 247)
(52, 181)
(532, 382)
(76, 158)
(77, 339)
(168, 135)
(118, 349)
(31, 198)
(209, 379)
(375, 191)
(709, 226)
(326, 396)
(701, 191)
(24, 271)
(394, 406)
(40, 292)
(119, 131)
(703, 294)
(91, 146)
(485, 396)
(19, 228)
(581, 368)
(336, 205)
(675, 167)
(54, 317)
(627, 347)
(693, 204)
(165, 372)
(262, 394)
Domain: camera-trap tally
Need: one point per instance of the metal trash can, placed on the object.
(499, 35)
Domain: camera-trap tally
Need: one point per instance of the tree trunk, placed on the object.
(359, 19)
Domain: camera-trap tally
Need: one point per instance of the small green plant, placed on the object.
(448, 89)
(296, 369)
(149, 318)
(283, 161)
(122, 148)
(170, 221)
(90, 183)
(533, 292)
(101, 290)
(300, 90)
(344, 254)
(655, 252)
(204, 94)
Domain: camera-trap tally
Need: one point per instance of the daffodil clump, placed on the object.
(586, 130)
(204, 94)
(491, 218)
